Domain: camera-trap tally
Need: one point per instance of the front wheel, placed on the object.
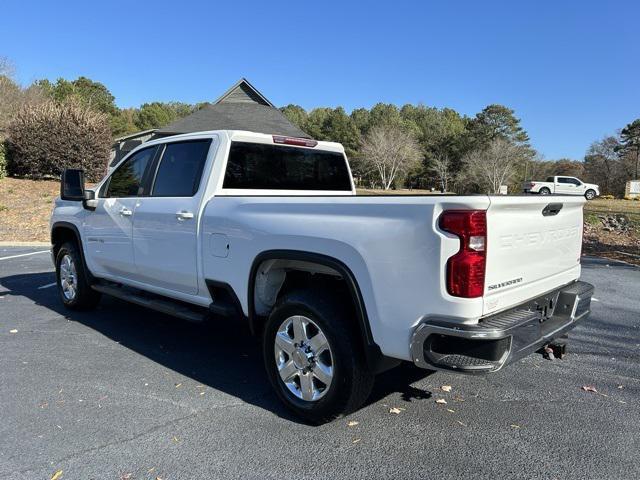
(74, 289)
(311, 354)
(590, 194)
(545, 191)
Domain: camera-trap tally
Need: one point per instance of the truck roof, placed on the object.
(245, 136)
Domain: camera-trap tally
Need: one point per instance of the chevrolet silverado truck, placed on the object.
(234, 225)
(564, 186)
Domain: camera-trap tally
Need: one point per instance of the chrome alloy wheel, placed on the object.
(303, 358)
(68, 278)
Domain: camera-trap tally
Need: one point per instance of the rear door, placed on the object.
(165, 228)
(533, 246)
(109, 227)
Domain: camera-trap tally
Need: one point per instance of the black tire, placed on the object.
(85, 297)
(590, 194)
(352, 380)
(544, 191)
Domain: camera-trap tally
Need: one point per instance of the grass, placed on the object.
(598, 205)
(27, 208)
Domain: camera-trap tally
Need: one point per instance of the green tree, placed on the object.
(497, 121)
(630, 143)
(155, 115)
(82, 90)
(295, 114)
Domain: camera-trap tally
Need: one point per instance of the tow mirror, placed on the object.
(72, 185)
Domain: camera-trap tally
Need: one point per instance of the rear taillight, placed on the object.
(300, 142)
(465, 270)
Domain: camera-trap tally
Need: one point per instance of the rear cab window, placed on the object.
(259, 166)
(180, 169)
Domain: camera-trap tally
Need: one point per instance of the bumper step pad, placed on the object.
(503, 338)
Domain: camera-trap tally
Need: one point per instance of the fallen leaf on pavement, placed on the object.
(125, 476)
(450, 410)
(396, 410)
(446, 388)
(178, 385)
(589, 388)
(441, 401)
(620, 387)
(352, 423)
(175, 439)
(13, 330)
(356, 440)
(513, 425)
(56, 475)
(463, 424)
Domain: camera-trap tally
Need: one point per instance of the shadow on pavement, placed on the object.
(223, 356)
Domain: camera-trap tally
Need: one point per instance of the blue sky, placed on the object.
(570, 69)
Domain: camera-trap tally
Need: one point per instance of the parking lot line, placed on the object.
(48, 285)
(23, 255)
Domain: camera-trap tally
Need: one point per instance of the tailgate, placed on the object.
(533, 246)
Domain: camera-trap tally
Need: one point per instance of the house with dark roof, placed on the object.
(242, 107)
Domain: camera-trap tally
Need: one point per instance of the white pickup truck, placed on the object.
(232, 225)
(564, 186)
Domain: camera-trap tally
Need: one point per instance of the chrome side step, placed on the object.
(154, 302)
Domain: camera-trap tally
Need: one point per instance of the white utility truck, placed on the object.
(232, 225)
(564, 186)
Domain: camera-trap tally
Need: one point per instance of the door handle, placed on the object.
(184, 215)
(125, 212)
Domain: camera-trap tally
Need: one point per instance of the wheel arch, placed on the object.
(62, 232)
(372, 350)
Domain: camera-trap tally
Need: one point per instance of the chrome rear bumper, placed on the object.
(503, 338)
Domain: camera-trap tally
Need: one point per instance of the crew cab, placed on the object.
(564, 186)
(240, 226)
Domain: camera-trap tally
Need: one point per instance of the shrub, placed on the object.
(3, 161)
(45, 139)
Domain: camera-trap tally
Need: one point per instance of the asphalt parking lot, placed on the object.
(123, 392)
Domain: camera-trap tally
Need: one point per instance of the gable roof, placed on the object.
(242, 91)
(242, 107)
(235, 116)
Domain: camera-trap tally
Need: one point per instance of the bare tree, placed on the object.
(442, 169)
(12, 96)
(6, 68)
(390, 151)
(494, 166)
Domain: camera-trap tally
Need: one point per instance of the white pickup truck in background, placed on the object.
(232, 225)
(564, 186)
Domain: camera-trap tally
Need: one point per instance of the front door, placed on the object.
(165, 226)
(109, 228)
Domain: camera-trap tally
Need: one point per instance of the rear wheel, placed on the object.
(545, 191)
(590, 194)
(74, 289)
(312, 357)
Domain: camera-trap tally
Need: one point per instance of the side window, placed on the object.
(128, 179)
(575, 181)
(563, 180)
(180, 169)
